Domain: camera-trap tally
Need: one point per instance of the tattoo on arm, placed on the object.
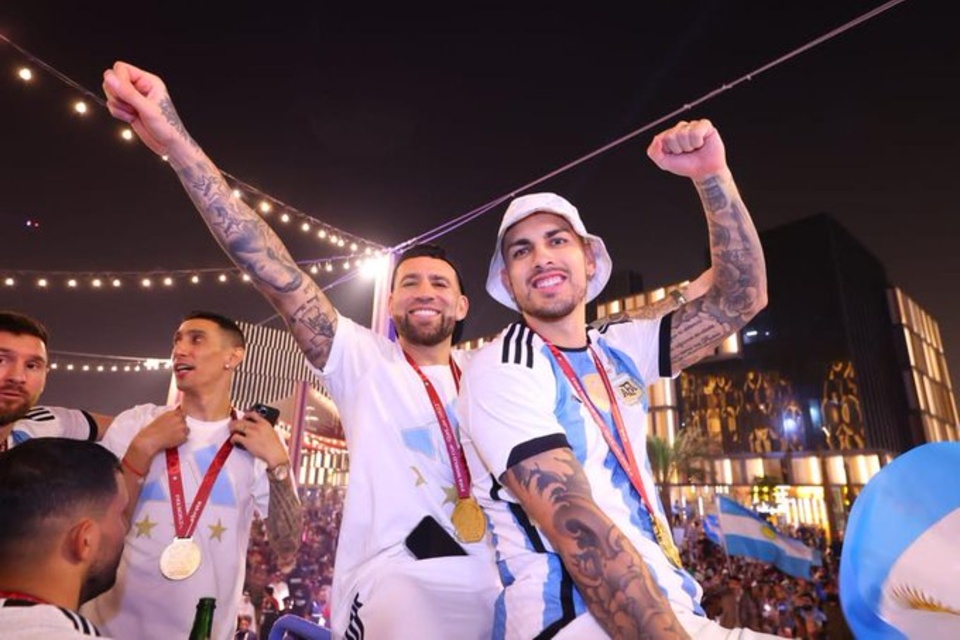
(739, 288)
(608, 570)
(171, 116)
(284, 521)
(260, 254)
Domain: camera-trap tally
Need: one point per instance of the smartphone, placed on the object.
(270, 414)
(430, 540)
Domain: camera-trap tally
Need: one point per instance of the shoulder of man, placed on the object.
(49, 421)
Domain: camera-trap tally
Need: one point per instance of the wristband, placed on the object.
(126, 463)
(677, 295)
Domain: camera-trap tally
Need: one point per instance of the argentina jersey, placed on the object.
(518, 402)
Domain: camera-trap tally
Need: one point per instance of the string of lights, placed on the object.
(276, 212)
(76, 362)
(365, 265)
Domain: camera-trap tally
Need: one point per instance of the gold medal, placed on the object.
(666, 543)
(180, 559)
(469, 520)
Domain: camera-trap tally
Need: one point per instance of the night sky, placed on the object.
(388, 123)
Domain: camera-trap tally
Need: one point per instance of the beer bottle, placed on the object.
(203, 620)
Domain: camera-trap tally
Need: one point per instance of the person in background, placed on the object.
(202, 469)
(244, 628)
(62, 505)
(269, 611)
(24, 364)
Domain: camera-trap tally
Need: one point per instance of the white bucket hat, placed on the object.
(526, 206)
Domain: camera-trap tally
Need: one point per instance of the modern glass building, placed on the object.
(840, 373)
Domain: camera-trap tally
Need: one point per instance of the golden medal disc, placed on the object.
(180, 559)
(666, 543)
(469, 520)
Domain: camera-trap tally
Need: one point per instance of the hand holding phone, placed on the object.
(270, 414)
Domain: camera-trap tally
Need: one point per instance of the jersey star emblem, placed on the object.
(216, 530)
(145, 527)
(451, 495)
(420, 479)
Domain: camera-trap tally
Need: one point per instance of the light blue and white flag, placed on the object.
(747, 534)
(711, 528)
(900, 565)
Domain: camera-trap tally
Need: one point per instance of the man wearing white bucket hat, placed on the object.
(553, 414)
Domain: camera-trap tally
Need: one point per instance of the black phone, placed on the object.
(430, 540)
(270, 414)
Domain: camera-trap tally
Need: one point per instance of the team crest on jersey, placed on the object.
(631, 392)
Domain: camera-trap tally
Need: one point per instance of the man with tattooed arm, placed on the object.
(553, 414)
(197, 473)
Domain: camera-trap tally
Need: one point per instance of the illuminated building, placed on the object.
(840, 373)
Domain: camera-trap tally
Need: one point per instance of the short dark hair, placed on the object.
(20, 324)
(48, 477)
(229, 325)
(429, 250)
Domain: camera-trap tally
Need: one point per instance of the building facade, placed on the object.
(794, 414)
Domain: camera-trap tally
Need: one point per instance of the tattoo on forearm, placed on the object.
(284, 520)
(609, 572)
(739, 286)
(314, 329)
(238, 229)
(171, 116)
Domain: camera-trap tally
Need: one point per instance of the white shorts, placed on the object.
(585, 627)
(400, 597)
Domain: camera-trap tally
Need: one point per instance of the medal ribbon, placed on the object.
(185, 520)
(461, 474)
(624, 454)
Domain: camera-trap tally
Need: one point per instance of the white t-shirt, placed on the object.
(42, 622)
(515, 402)
(399, 467)
(53, 422)
(144, 603)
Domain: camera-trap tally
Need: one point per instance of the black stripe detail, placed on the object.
(666, 367)
(530, 448)
(518, 347)
(530, 335)
(566, 606)
(92, 423)
(507, 337)
(40, 414)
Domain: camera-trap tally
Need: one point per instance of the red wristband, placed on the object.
(133, 469)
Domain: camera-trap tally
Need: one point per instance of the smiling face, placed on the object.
(23, 374)
(547, 267)
(203, 356)
(426, 301)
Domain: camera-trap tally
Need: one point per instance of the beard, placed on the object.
(101, 578)
(13, 410)
(425, 336)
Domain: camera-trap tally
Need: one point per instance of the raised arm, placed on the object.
(739, 288)
(671, 302)
(141, 99)
(612, 577)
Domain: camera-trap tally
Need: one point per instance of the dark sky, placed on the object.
(388, 124)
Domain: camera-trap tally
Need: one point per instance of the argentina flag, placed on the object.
(711, 529)
(747, 534)
(900, 565)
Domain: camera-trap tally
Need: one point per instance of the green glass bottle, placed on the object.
(203, 620)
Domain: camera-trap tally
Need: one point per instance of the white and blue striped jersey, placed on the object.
(516, 402)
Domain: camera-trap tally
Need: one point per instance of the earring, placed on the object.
(226, 366)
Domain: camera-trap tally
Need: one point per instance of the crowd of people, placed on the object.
(738, 591)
